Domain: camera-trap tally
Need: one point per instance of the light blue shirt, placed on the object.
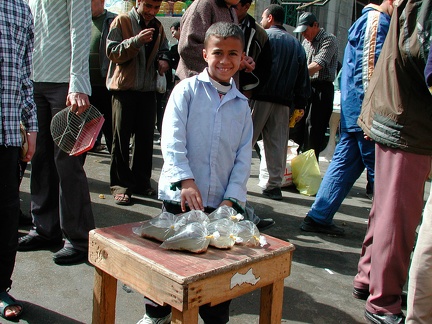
(206, 139)
(62, 43)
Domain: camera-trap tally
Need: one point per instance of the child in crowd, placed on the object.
(206, 145)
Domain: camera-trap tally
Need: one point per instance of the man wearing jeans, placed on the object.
(353, 152)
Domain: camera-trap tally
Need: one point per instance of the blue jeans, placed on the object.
(352, 154)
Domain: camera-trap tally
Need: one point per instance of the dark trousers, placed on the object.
(9, 213)
(101, 99)
(60, 198)
(218, 314)
(134, 114)
(311, 129)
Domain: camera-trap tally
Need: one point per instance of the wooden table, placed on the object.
(185, 280)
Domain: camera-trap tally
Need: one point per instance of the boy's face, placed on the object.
(223, 57)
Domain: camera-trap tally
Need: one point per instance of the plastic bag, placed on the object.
(161, 83)
(225, 212)
(225, 229)
(193, 216)
(246, 233)
(160, 227)
(192, 237)
(306, 173)
(287, 177)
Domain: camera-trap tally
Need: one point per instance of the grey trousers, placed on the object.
(60, 199)
(272, 121)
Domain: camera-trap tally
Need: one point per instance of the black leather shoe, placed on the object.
(384, 318)
(69, 256)
(35, 243)
(309, 225)
(364, 294)
(265, 223)
(275, 193)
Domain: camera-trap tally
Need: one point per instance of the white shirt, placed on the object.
(206, 139)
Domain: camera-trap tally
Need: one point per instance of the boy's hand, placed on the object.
(191, 195)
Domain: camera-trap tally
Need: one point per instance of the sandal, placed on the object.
(122, 199)
(7, 301)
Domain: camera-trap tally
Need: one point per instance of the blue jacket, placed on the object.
(365, 40)
(288, 83)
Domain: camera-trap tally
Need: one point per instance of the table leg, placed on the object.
(185, 317)
(271, 303)
(104, 298)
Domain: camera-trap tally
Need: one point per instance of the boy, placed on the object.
(206, 144)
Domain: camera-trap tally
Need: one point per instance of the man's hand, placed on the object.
(300, 115)
(247, 64)
(367, 138)
(145, 35)
(190, 194)
(78, 101)
(163, 66)
(31, 140)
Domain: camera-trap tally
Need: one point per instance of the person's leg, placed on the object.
(260, 114)
(367, 151)
(419, 307)
(218, 314)
(395, 214)
(76, 216)
(9, 206)
(275, 140)
(160, 110)
(121, 177)
(9, 215)
(75, 213)
(101, 99)
(44, 181)
(318, 119)
(142, 153)
(345, 168)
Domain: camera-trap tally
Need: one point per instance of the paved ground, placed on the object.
(318, 290)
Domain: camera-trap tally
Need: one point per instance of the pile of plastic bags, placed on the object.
(194, 231)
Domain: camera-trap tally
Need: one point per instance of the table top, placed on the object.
(184, 265)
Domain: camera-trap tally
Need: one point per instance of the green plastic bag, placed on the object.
(306, 173)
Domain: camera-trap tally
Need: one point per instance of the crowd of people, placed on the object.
(238, 81)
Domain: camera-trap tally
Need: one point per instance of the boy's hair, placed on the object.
(175, 25)
(277, 12)
(224, 30)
